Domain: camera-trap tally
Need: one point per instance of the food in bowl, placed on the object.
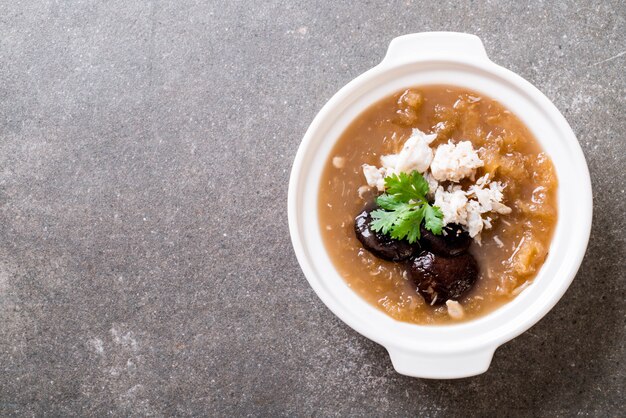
(437, 205)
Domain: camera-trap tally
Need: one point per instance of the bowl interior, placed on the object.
(543, 120)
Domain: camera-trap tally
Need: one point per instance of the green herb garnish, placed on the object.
(404, 207)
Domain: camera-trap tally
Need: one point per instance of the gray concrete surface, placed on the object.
(145, 262)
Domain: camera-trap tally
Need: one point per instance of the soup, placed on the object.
(513, 240)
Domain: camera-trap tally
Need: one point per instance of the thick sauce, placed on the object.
(512, 251)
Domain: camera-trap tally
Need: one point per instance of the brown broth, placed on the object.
(511, 155)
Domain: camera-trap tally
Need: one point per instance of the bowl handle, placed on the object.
(418, 46)
(441, 365)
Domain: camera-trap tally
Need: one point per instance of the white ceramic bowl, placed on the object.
(451, 351)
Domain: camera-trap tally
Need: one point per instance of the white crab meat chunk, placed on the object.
(416, 154)
(490, 198)
(453, 205)
(339, 162)
(389, 161)
(466, 208)
(432, 184)
(455, 310)
(453, 162)
(474, 222)
(374, 176)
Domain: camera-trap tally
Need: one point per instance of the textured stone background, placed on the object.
(145, 262)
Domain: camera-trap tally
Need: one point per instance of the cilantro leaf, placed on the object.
(433, 219)
(407, 187)
(404, 207)
(389, 202)
(409, 227)
(383, 221)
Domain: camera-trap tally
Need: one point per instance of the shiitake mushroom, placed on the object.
(439, 278)
(438, 265)
(454, 240)
(378, 243)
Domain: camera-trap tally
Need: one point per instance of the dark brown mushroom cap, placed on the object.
(439, 278)
(453, 241)
(379, 244)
